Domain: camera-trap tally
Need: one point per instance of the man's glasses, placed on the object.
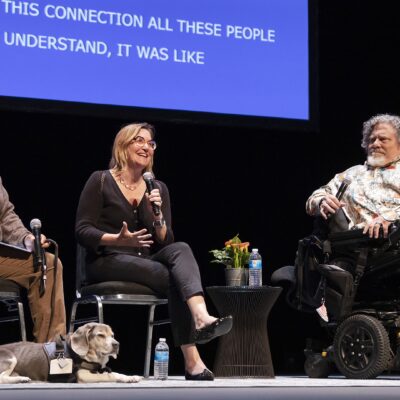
(140, 142)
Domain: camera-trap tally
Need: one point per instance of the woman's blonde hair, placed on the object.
(119, 159)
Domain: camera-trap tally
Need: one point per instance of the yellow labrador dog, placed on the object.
(90, 347)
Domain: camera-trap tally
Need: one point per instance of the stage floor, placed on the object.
(282, 387)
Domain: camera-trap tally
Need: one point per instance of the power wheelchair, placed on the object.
(358, 279)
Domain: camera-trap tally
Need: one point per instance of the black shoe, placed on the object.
(206, 375)
(219, 327)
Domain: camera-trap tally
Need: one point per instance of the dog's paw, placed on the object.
(133, 379)
(127, 378)
(13, 379)
(17, 379)
(136, 378)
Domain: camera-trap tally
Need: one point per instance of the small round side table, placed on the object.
(244, 352)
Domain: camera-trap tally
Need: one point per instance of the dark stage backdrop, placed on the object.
(222, 180)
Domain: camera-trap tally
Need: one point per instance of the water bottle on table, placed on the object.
(255, 268)
(161, 358)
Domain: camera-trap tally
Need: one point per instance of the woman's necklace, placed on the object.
(129, 187)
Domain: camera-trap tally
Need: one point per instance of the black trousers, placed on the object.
(172, 271)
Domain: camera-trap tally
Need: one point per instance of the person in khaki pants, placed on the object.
(47, 309)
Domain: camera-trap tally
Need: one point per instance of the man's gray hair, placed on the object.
(369, 125)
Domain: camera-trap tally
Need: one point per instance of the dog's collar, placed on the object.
(93, 367)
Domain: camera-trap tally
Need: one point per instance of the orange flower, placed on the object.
(235, 253)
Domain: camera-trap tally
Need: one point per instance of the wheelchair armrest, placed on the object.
(356, 237)
(383, 253)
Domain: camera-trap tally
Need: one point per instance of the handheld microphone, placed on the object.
(149, 180)
(343, 187)
(36, 226)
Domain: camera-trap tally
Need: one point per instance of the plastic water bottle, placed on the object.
(255, 268)
(161, 358)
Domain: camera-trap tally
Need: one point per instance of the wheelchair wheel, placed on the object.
(361, 347)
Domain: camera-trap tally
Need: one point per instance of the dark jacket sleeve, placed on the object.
(88, 213)
(12, 230)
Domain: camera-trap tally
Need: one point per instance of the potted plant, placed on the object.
(235, 256)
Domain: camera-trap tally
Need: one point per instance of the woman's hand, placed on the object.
(374, 226)
(329, 205)
(133, 239)
(154, 197)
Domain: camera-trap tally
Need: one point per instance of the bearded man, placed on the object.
(372, 199)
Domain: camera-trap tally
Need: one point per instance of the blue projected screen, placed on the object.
(237, 57)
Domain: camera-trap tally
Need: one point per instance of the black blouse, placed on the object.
(102, 209)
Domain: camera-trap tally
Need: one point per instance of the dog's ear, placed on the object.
(79, 339)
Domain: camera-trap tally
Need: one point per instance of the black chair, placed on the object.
(10, 296)
(114, 292)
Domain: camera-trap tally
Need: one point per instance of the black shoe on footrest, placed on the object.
(206, 375)
(219, 327)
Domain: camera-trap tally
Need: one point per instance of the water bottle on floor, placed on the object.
(255, 268)
(161, 358)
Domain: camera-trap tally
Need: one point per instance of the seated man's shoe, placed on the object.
(206, 375)
(219, 327)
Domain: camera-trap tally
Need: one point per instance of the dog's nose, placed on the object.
(115, 346)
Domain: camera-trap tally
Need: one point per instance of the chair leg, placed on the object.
(22, 321)
(149, 341)
(100, 313)
(73, 317)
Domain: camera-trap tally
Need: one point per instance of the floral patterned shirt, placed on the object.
(373, 191)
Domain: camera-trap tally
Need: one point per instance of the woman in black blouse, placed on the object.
(126, 241)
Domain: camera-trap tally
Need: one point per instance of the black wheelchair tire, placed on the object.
(361, 347)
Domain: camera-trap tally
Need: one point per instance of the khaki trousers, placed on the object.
(48, 318)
